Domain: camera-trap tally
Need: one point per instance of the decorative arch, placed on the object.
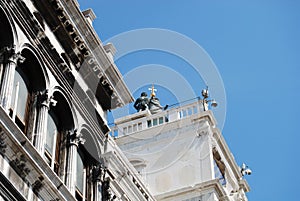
(88, 157)
(38, 70)
(8, 34)
(92, 146)
(66, 116)
(32, 71)
(29, 79)
(61, 122)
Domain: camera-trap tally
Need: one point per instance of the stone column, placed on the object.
(33, 110)
(9, 59)
(44, 100)
(1, 68)
(74, 140)
(63, 155)
(98, 173)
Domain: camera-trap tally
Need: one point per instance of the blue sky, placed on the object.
(256, 47)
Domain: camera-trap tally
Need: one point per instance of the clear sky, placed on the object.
(255, 46)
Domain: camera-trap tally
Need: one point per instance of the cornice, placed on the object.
(123, 173)
(212, 185)
(86, 51)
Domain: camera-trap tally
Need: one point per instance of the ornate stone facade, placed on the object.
(57, 82)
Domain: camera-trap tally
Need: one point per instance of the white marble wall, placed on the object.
(176, 155)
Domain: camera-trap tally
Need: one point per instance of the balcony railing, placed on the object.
(145, 120)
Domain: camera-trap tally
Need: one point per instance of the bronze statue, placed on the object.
(154, 104)
(142, 103)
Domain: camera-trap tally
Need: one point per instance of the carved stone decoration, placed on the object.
(39, 18)
(2, 142)
(19, 165)
(107, 194)
(75, 138)
(8, 54)
(38, 184)
(201, 133)
(98, 173)
(44, 99)
(9, 59)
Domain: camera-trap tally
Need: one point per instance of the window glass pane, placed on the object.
(190, 111)
(161, 120)
(129, 129)
(124, 130)
(134, 127)
(140, 126)
(116, 133)
(79, 175)
(195, 111)
(167, 118)
(22, 97)
(154, 122)
(149, 123)
(51, 135)
(183, 113)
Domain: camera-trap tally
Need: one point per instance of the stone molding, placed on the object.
(9, 54)
(75, 138)
(45, 99)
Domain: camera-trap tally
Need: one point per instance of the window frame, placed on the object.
(53, 159)
(80, 196)
(22, 122)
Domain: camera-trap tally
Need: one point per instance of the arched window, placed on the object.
(29, 79)
(53, 143)
(59, 122)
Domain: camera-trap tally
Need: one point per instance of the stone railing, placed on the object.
(145, 120)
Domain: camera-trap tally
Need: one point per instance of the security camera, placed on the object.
(247, 171)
